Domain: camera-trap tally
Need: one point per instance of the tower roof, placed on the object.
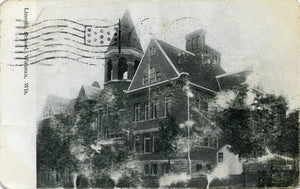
(127, 36)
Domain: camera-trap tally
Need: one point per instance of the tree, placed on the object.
(234, 122)
(168, 132)
(251, 128)
(53, 144)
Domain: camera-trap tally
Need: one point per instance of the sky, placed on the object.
(259, 34)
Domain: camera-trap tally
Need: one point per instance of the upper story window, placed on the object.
(145, 80)
(166, 106)
(202, 103)
(137, 143)
(188, 45)
(147, 143)
(153, 76)
(194, 44)
(146, 169)
(152, 51)
(106, 132)
(220, 157)
(137, 112)
(147, 110)
(155, 105)
(155, 143)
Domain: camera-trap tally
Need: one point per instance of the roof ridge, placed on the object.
(168, 58)
(159, 40)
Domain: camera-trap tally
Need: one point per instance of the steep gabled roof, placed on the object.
(54, 105)
(126, 36)
(160, 62)
(182, 62)
(89, 92)
(58, 104)
(185, 61)
(71, 107)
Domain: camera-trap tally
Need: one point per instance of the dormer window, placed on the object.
(152, 51)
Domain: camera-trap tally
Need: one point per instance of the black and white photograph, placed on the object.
(149, 94)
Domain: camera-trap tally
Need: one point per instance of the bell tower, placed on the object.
(123, 54)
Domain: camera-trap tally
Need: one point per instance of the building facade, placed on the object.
(144, 88)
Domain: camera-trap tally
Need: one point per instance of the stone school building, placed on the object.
(147, 86)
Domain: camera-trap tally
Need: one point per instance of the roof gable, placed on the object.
(184, 61)
(54, 105)
(158, 62)
(88, 93)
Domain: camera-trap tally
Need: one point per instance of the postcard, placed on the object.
(149, 94)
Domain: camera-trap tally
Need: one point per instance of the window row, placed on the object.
(146, 143)
(153, 169)
(199, 167)
(152, 77)
(152, 110)
(195, 43)
(207, 142)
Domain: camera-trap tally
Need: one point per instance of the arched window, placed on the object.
(109, 71)
(122, 68)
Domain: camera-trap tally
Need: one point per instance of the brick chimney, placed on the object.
(195, 41)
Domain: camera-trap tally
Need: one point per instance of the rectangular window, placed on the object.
(204, 104)
(106, 132)
(152, 51)
(137, 143)
(199, 42)
(213, 142)
(145, 80)
(188, 45)
(147, 111)
(220, 157)
(194, 44)
(158, 76)
(206, 141)
(137, 112)
(155, 142)
(154, 169)
(147, 143)
(152, 75)
(152, 78)
(165, 168)
(154, 109)
(167, 106)
(146, 169)
(94, 124)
